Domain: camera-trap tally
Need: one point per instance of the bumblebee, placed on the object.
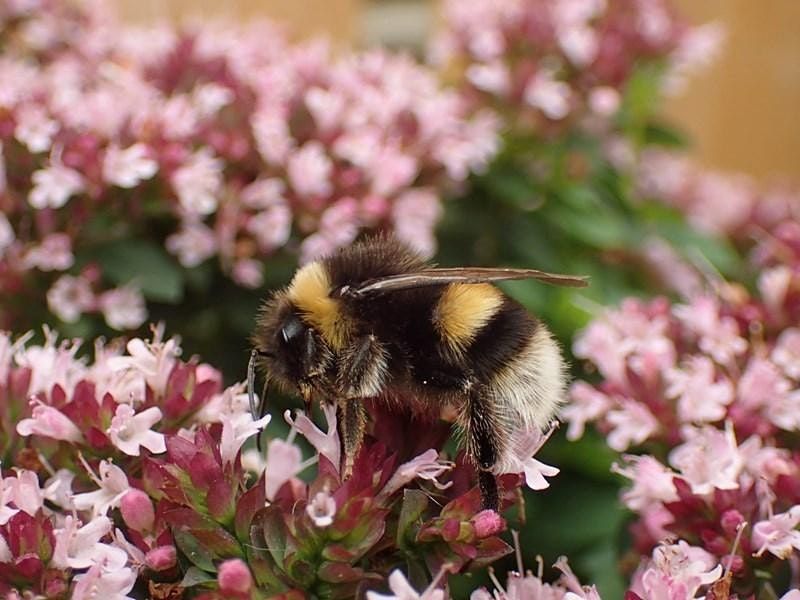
(376, 321)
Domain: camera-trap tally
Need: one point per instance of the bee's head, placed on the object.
(290, 350)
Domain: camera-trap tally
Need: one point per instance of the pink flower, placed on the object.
(402, 590)
(774, 285)
(678, 571)
(130, 430)
(786, 353)
(35, 128)
(7, 235)
(47, 421)
(53, 186)
(604, 101)
(487, 523)
(652, 482)
(326, 443)
(271, 227)
(326, 107)
(154, 360)
(632, 423)
(709, 459)
(392, 170)
(284, 461)
(58, 488)
(192, 244)
(701, 397)
(322, 509)
(51, 364)
(79, 547)
(101, 582)
(761, 385)
(719, 336)
(271, 132)
(519, 457)
(236, 430)
(53, 254)
(198, 183)
(309, 170)
(491, 77)
(248, 272)
(123, 308)
(24, 491)
(113, 486)
(550, 96)
(587, 404)
(69, 297)
(766, 462)
(234, 577)
(778, 534)
(415, 213)
(426, 466)
(127, 168)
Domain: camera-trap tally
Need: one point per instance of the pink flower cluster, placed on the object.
(727, 204)
(214, 142)
(549, 65)
(709, 390)
(131, 470)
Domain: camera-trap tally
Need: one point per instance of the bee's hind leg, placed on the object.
(480, 423)
(352, 420)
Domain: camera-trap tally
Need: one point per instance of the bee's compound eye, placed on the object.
(292, 329)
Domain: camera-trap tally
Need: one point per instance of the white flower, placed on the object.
(154, 360)
(709, 459)
(284, 461)
(402, 590)
(69, 297)
(236, 430)
(35, 128)
(126, 168)
(778, 534)
(327, 444)
(426, 466)
(309, 170)
(193, 243)
(101, 581)
(129, 430)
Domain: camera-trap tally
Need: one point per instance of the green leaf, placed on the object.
(193, 550)
(414, 504)
(146, 265)
(195, 576)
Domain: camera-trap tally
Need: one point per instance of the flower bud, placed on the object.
(161, 558)
(730, 521)
(137, 510)
(487, 522)
(234, 577)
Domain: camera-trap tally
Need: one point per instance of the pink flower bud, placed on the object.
(137, 510)
(487, 522)
(161, 558)
(234, 577)
(730, 521)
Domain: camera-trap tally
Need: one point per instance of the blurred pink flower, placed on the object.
(127, 168)
(702, 397)
(123, 308)
(35, 128)
(70, 297)
(193, 243)
(708, 460)
(53, 254)
(519, 457)
(786, 353)
(309, 170)
(632, 423)
(652, 482)
(587, 404)
(53, 186)
(198, 183)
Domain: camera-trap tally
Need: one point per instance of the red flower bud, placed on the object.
(234, 577)
(137, 510)
(161, 558)
(487, 522)
(731, 519)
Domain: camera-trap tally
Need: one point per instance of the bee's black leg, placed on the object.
(352, 419)
(483, 445)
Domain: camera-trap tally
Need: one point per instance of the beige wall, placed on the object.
(336, 18)
(744, 113)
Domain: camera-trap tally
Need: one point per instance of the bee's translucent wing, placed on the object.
(444, 276)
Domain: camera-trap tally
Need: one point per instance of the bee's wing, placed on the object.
(444, 276)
